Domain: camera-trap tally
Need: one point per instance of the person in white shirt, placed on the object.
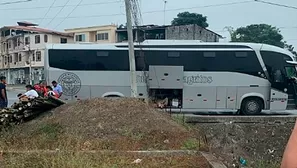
(31, 93)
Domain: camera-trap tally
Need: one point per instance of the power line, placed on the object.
(276, 4)
(282, 27)
(59, 6)
(57, 13)
(148, 12)
(69, 14)
(15, 2)
(48, 10)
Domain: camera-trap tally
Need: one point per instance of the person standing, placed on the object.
(3, 93)
(57, 88)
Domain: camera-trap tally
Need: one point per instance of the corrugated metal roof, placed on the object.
(37, 29)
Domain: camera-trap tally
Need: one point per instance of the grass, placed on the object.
(191, 144)
(52, 136)
(77, 160)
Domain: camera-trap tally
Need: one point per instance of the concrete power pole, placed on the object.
(30, 66)
(131, 49)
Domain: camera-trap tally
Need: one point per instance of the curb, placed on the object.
(213, 161)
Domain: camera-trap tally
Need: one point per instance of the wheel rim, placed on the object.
(252, 107)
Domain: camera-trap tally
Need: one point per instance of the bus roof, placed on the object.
(173, 44)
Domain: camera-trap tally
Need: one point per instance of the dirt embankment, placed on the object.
(102, 124)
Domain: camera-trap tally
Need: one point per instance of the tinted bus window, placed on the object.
(89, 60)
(275, 61)
(227, 61)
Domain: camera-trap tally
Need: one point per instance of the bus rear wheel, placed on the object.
(251, 106)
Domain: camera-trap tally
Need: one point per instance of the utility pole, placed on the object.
(131, 49)
(30, 66)
(165, 3)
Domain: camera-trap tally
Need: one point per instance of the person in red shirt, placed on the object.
(44, 89)
(37, 87)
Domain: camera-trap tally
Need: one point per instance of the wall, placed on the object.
(57, 39)
(91, 32)
(190, 32)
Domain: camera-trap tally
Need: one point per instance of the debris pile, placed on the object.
(105, 117)
(106, 124)
(27, 109)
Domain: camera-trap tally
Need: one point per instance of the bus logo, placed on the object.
(70, 83)
(190, 80)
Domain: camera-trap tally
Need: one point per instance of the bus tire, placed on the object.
(251, 106)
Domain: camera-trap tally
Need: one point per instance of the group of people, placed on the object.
(40, 89)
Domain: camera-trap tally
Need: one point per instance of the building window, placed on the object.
(81, 37)
(27, 40)
(33, 57)
(20, 57)
(241, 54)
(102, 36)
(38, 56)
(9, 44)
(10, 59)
(63, 40)
(173, 54)
(37, 39)
(45, 38)
(19, 41)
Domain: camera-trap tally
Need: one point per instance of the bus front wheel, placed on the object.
(251, 106)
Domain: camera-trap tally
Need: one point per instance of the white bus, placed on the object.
(206, 77)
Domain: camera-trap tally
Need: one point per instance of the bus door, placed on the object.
(291, 76)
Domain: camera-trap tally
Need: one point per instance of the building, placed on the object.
(22, 51)
(184, 32)
(96, 34)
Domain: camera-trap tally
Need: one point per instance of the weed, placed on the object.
(50, 131)
(191, 144)
(131, 134)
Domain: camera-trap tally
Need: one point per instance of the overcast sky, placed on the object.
(112, 12)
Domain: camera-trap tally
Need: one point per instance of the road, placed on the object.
(12, 97)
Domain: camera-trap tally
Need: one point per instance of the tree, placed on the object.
(258, 33)
(291, 49)
(186, 18)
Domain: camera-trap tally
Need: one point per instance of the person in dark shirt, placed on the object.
(3, 94)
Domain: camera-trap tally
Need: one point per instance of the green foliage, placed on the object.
(186, 18)
(258, 33)
(290, 48)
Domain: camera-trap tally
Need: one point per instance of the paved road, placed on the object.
(12, 97)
